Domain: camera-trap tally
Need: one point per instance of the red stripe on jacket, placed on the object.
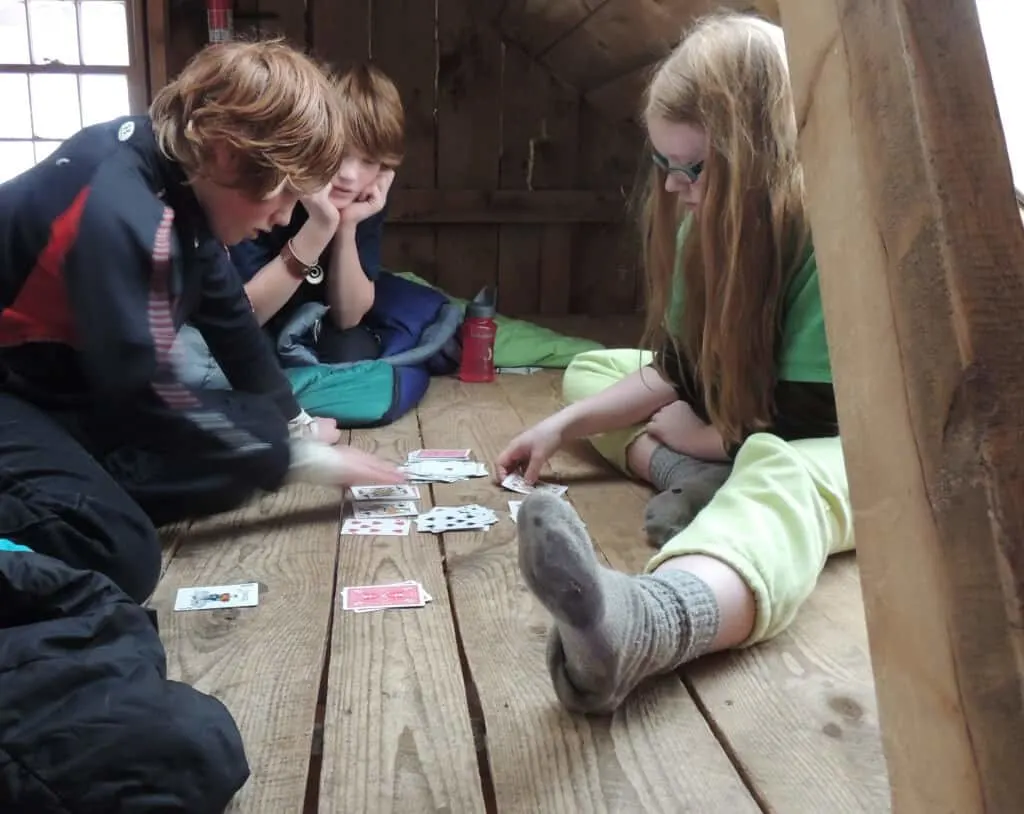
(40, 312)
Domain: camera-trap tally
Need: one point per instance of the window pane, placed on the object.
(15, 158)
(104, 33)
(13, 32)
(1001, 22)
(54, 29)
(55, 112)
(45, 148)
(104, 97)
(16, 121)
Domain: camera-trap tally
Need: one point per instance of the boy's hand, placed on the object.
(371, 201)
(320, 209)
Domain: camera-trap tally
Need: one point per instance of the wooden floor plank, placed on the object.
(265, 662)
(809, 693)
(397, 734)
(656, 754)
(171, 536)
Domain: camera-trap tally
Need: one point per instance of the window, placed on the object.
(64, 64)
(1001, 24)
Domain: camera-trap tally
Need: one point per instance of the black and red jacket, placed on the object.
(104, 254)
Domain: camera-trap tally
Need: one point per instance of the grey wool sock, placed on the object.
(611, 630)
(685, 486)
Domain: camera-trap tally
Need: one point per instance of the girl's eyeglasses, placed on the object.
(690, 171)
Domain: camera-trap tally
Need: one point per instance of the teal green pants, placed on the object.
(783, 511)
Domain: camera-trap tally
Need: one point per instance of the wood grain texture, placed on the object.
(265, 662)
(542, 758)
(920, 261)
(469, 97)
(540, 140)
(536, 25)
(171, 536)
(624, 35)
(606, 272)
(340, 38)
(808, 694)
(397, 735)
(404, 45)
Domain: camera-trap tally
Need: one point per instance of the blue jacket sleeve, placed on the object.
(369, 234)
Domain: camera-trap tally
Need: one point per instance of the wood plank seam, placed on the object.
(316, 746)
(723, 740)
(476, 712)
(475, 707)
(570, 31)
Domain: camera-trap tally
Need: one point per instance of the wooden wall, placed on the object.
(511, 177)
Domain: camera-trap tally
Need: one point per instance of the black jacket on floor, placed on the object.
(89, 722)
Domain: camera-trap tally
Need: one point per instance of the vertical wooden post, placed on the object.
(921, 254)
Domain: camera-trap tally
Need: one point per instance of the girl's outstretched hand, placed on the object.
(529, 451)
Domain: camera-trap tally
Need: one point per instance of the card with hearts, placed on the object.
(516, 483)
(377, 526)
(385, 508)
(396, 491)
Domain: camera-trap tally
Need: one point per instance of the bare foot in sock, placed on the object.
(611, 630)
(687, 486)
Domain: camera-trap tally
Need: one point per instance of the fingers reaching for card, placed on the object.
(361, 467)
(314, 462)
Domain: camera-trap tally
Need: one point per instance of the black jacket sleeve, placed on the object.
(237, 342)
(118, 277)
(117, 282)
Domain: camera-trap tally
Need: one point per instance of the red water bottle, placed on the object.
(479, 331)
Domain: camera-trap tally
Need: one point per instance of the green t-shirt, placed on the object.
(803, 352)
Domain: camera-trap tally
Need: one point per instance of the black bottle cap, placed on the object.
(482, 305)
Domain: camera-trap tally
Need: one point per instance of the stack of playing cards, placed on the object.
(513, 509)
(382, 510)
(456, 518)
(515, 483)
(442, 466)
(363, 598)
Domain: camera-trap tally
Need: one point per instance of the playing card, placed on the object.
(456, 518)
(439, 455)
(393, 595)
(385, 508)
(515, 483)
(386, 492)
(513, 509)
(377, 526)
(245, 595)
(426, 598)
(444, 471)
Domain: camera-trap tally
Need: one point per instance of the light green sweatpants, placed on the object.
(783, 511)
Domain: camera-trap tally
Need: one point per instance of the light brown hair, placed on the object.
(374, 118)
(729, 76)
(272, 105)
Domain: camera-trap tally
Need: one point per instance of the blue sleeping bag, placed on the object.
(418, 328)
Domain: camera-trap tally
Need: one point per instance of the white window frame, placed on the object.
(135, 71)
